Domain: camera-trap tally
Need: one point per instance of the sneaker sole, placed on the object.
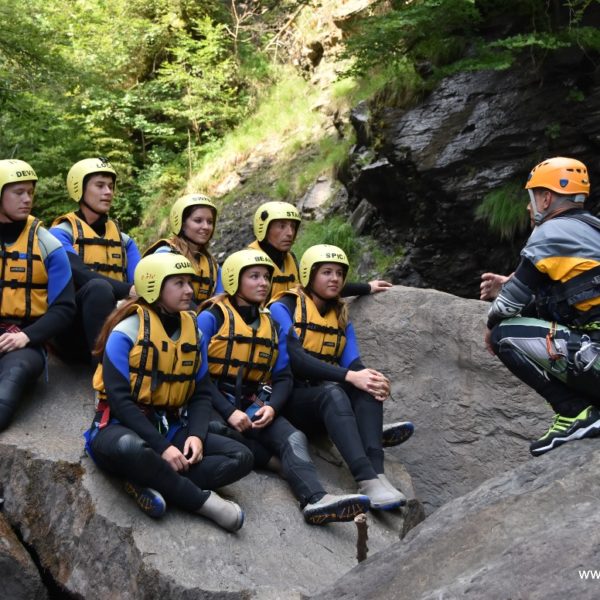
(343, 510)
(146, 503)
(576, 435)
(397, 436)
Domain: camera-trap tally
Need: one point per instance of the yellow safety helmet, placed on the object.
(270, 211)
(566, 176)
(152, 270)
(322, 253)
(14, 171)
(82, 169)
(235, 263)
(177, 210)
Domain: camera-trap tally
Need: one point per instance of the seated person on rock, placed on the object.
(154, 401)
(275, 227)
(192, 220)
(102, 257)
(333, 390)
(557, 353)
(37, 299)
(254, 381)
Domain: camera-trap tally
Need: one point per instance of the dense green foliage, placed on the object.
(147, 83)
(440, 36)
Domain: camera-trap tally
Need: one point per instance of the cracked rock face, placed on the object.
(432, 165)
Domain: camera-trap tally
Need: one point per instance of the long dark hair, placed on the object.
(115, 317)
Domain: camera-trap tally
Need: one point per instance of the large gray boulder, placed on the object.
(95, 543)
(19, 577)
(527, 534)
(473, 419)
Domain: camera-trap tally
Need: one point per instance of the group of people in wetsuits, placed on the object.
(205, 372)
(202, 372)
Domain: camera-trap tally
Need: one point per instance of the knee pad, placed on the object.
(299, 446)
(245, 460)
(336, 401)
(132, 449)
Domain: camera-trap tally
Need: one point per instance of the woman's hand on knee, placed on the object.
(371, 381)
(239, 420)
(175, 458)
(193, 449)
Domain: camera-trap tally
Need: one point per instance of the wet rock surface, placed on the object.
(527, 534)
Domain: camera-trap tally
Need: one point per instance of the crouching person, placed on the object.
(151, 424)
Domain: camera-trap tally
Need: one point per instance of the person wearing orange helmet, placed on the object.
(556, 353)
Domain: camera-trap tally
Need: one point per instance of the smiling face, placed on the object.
(198, 227)
(16, 201)
(255, 284)
(176, 293)
(327, 280)
(99, 192)
(282, 233)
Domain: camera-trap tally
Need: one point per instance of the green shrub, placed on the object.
(504, 210)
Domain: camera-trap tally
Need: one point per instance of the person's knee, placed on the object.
(335, 401)
(132, 450)
(99, 291)
(496, 338)
(245, 460)
(298, 445)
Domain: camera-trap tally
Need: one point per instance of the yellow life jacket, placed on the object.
(238, 345)
(103, 254)
(162, 372)
(320, 336)
(204, 281)
(284, 278)
(23, 279)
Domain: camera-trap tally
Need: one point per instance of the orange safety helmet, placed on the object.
(566, 176)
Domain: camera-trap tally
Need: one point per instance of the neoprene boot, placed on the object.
(225, 513)
(390, 486)
(381, 497)
(335, 508)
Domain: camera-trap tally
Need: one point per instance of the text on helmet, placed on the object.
(25, 173)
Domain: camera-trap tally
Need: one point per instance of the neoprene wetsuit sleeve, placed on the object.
(61, 300)
(81, 272)
(516, 294)
(354, 288)
(282, 383)
(199, 407)
(118, 390)
(133, 258)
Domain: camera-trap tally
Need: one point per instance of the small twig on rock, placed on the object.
(361, 541)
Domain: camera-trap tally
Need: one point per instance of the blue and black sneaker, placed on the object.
(149, 500)
(566, 429)
(397, 433)
(332, 508)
